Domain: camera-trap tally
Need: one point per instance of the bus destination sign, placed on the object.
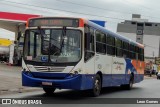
(54, 22)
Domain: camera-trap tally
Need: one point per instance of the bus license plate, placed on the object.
(47, 83)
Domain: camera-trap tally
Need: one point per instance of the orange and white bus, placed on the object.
(74, 53)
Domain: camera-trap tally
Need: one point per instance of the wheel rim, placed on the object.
(131, 83)
(97, 86)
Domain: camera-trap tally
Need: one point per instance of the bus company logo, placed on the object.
(99, 66)
(118, 63)
(118, 67)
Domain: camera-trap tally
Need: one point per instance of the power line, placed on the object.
(148, 8)
(26, 7)
(79, 12)
(64, 10)
(46, 11)
(126, 1)
(73, 11)
(150, 46)
(104, 8)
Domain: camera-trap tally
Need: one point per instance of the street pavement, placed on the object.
(149, 88)
(10, 87)
(10, 80)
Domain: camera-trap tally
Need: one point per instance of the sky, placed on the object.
(111, 11)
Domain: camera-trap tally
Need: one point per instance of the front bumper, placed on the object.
(79, 82)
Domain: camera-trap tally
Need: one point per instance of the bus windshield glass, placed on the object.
(53, 45)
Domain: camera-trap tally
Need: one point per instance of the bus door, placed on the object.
(89, 51)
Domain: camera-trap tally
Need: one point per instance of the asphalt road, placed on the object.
(10, 71)
(149, 88)
(10, 80)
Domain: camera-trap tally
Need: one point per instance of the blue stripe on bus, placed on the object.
(130, 67)
(79, 82)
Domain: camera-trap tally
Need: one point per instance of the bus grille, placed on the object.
(49, 68)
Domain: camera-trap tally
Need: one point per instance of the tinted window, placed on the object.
(100, 42)
(89, 43)
(110, 45)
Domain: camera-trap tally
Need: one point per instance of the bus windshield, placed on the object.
(52, 45)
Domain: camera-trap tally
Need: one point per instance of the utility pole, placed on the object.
(159, 48)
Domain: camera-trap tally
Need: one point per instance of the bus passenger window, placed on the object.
(100, 42)
(132, 52)
(89, 43)
(110, 45)
(125, 50)
(119, 50)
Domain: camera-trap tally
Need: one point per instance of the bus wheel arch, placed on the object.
(130, 82)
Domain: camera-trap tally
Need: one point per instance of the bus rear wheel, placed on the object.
(49, 91)
(130, 85)
(97, 86)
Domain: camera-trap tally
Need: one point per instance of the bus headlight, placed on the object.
(24, 69)
(76, 72)
(73, 73)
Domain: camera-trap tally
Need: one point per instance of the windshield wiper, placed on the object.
(62, 38)
(41, 33)
(40, 30)
(61, 41)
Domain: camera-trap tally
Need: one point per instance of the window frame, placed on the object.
(101, 42)
(87, 51)
(110, 43)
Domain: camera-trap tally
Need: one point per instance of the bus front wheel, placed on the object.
(49, 91)
(97, 86)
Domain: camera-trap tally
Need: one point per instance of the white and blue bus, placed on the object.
(74, 53)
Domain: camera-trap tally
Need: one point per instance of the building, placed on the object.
(142, 31)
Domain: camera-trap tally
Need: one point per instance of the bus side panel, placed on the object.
(118, 71)
(103, 64)
(87, 81)
(135, 67)
(139, 66)
(129, 69)
(107, 80)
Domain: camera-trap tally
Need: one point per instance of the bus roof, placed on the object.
(113, 34)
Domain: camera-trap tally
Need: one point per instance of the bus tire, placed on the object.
(130, 85)
(131, 81)
(49, 91)
(97, 85)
